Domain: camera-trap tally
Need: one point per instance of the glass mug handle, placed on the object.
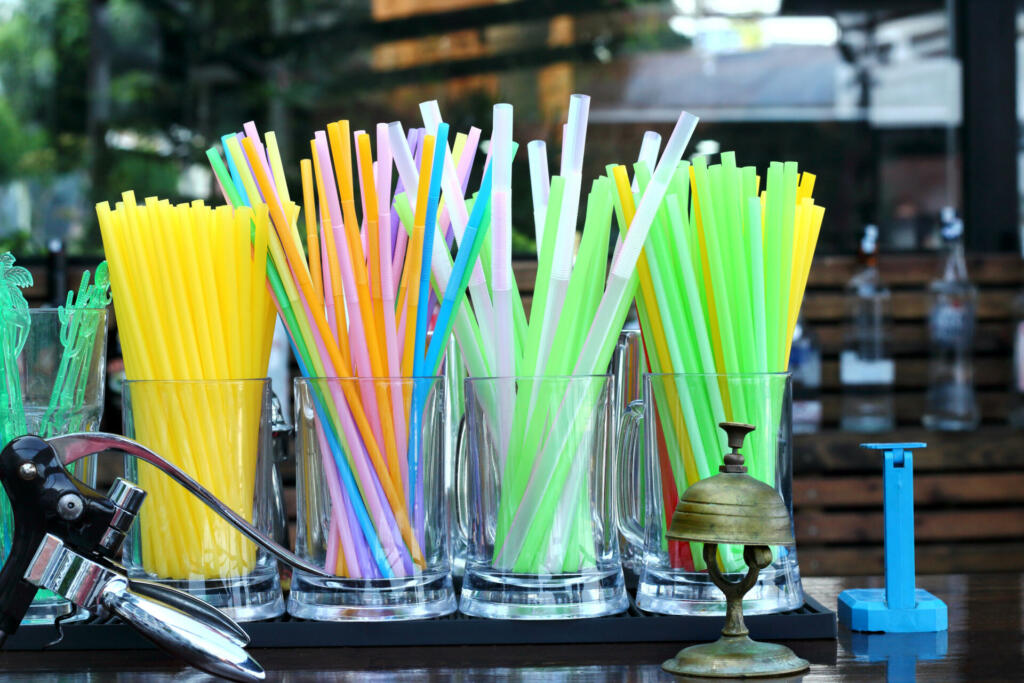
(461, 481)
(627, 499)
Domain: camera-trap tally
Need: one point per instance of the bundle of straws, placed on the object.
(345, 317)
(721, 282)
(190, 294)
(578, 311)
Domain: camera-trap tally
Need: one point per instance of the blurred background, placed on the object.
(100, 95)
(908, 111)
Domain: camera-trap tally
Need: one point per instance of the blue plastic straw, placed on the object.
(433, 198)
(236, 177)
(347, 480)
(455, 292)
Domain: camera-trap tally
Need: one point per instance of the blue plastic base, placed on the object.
(865, 609)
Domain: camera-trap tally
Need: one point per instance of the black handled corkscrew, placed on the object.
(67, 536)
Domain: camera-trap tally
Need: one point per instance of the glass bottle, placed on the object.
(951, 404)
(805, 367)
(866, 370)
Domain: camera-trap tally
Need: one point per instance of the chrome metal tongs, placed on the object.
(66, 537)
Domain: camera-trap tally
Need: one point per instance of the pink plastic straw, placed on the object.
(339, 520)
(356, 333)
(387, 286)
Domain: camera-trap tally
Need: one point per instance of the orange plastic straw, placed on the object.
(341, 365)
(410, 278)
(309, 212)
(337, 294)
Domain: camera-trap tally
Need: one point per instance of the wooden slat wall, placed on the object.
(969, 488)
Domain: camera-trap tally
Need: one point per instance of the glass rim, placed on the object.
(737, 375)
(240, 380)
(327, 378)
(55, 309)
(607, 375)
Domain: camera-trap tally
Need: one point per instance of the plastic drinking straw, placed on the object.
(532, 342)
(611, 312)
(649, 147)
(408, 177)
(339, 517)
(361, 332)
(387, 284)
(540, 186)
(464, 165)
(455, 291)
(669, 342)
(309, 213)
(378, 354)
(477, 283)
(362, 329)
(789, 183)
(572, 164)
(346, 419)
(597, 348)
(335, 303)
(320, 323)
(419, 353)
(501, 268)
(773, 254)
(572, 516)
(463, 153)
(412, 140)
(140, 276)
(412, 279)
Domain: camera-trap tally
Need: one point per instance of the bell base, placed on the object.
(735, 657)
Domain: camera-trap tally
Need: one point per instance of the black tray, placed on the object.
(811, 621)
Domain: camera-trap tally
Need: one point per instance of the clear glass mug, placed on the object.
(539, 524)
(671, 439)
(62, 392)
(218, 432)
(377, 515)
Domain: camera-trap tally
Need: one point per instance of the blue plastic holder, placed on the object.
(900, 607)
(900, 651)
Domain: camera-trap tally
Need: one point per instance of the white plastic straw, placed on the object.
(540, 184)
(612, 309)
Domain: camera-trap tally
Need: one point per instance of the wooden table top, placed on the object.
(985, 642)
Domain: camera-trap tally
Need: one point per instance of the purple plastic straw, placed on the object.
(339, 520)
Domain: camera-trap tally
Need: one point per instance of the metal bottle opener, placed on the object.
(67, 536)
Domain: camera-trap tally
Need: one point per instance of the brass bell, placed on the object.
(733, 507)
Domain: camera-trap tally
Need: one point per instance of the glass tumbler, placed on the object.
(372, 499)
(61, 372)
(541, 535)
(670, 440)
(218, 432)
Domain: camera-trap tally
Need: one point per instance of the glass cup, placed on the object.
(61, 372)
(671, 439)
(375, 515)
(218, 432)
(540, 527)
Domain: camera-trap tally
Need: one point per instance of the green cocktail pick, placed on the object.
(13, 335)
(79, 325)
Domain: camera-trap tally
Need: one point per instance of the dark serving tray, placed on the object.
(811, 621)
